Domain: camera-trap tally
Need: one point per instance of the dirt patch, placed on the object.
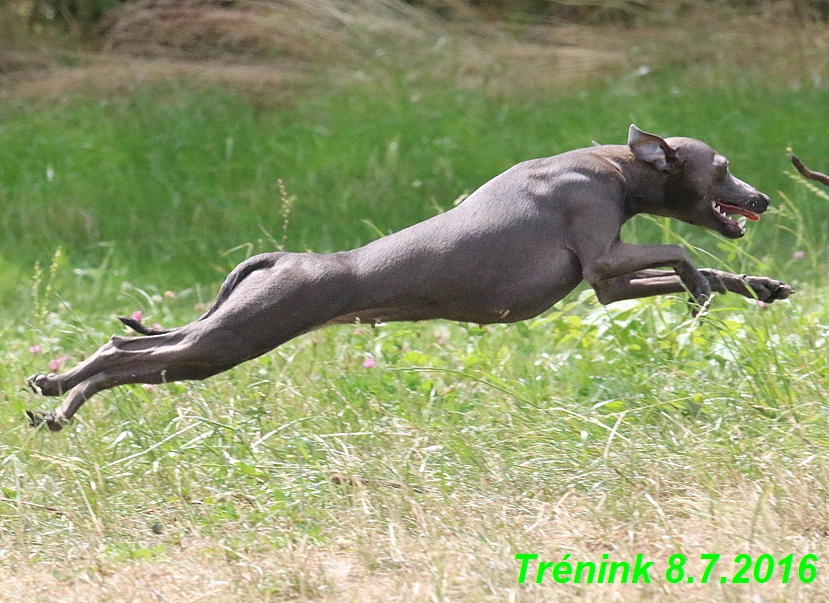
(122, 73)
(14, 62)
(257, 46)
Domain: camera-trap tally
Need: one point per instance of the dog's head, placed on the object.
(699, 189)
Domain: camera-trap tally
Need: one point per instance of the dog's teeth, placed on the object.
(741, 222)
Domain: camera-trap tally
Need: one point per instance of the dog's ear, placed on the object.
(653, 149)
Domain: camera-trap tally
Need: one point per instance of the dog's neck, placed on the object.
(647, 190)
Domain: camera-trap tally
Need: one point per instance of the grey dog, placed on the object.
(515, 247)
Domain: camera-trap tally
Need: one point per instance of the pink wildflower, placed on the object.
(137, 315)
(369, 363)
(799, 255)
(35, 349)
(763, 305)
(56, 363)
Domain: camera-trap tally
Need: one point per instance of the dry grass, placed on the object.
(461, 550)
(258, 46)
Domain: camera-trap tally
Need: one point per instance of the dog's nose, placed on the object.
(757, 202)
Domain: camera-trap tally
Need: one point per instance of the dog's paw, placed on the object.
(768, 290)
(45, 385)
(36, 418)
(700, 296)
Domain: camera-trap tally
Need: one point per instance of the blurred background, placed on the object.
(147, 138)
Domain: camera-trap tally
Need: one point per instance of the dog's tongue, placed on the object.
(740, 211)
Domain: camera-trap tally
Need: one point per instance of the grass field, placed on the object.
(167, 181)
(411, 462)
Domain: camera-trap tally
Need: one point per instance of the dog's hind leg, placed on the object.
(267, 308)
(118, 350)
(151, 372)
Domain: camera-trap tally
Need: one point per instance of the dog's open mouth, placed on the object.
(723, 211)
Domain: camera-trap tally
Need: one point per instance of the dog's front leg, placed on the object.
(628, 286)
(647, 283)
(610, 273)
(762, 288)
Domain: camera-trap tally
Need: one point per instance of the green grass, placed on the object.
(458, 437)
(622, 430)
(173, 186)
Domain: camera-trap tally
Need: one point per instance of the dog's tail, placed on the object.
(141, 329)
